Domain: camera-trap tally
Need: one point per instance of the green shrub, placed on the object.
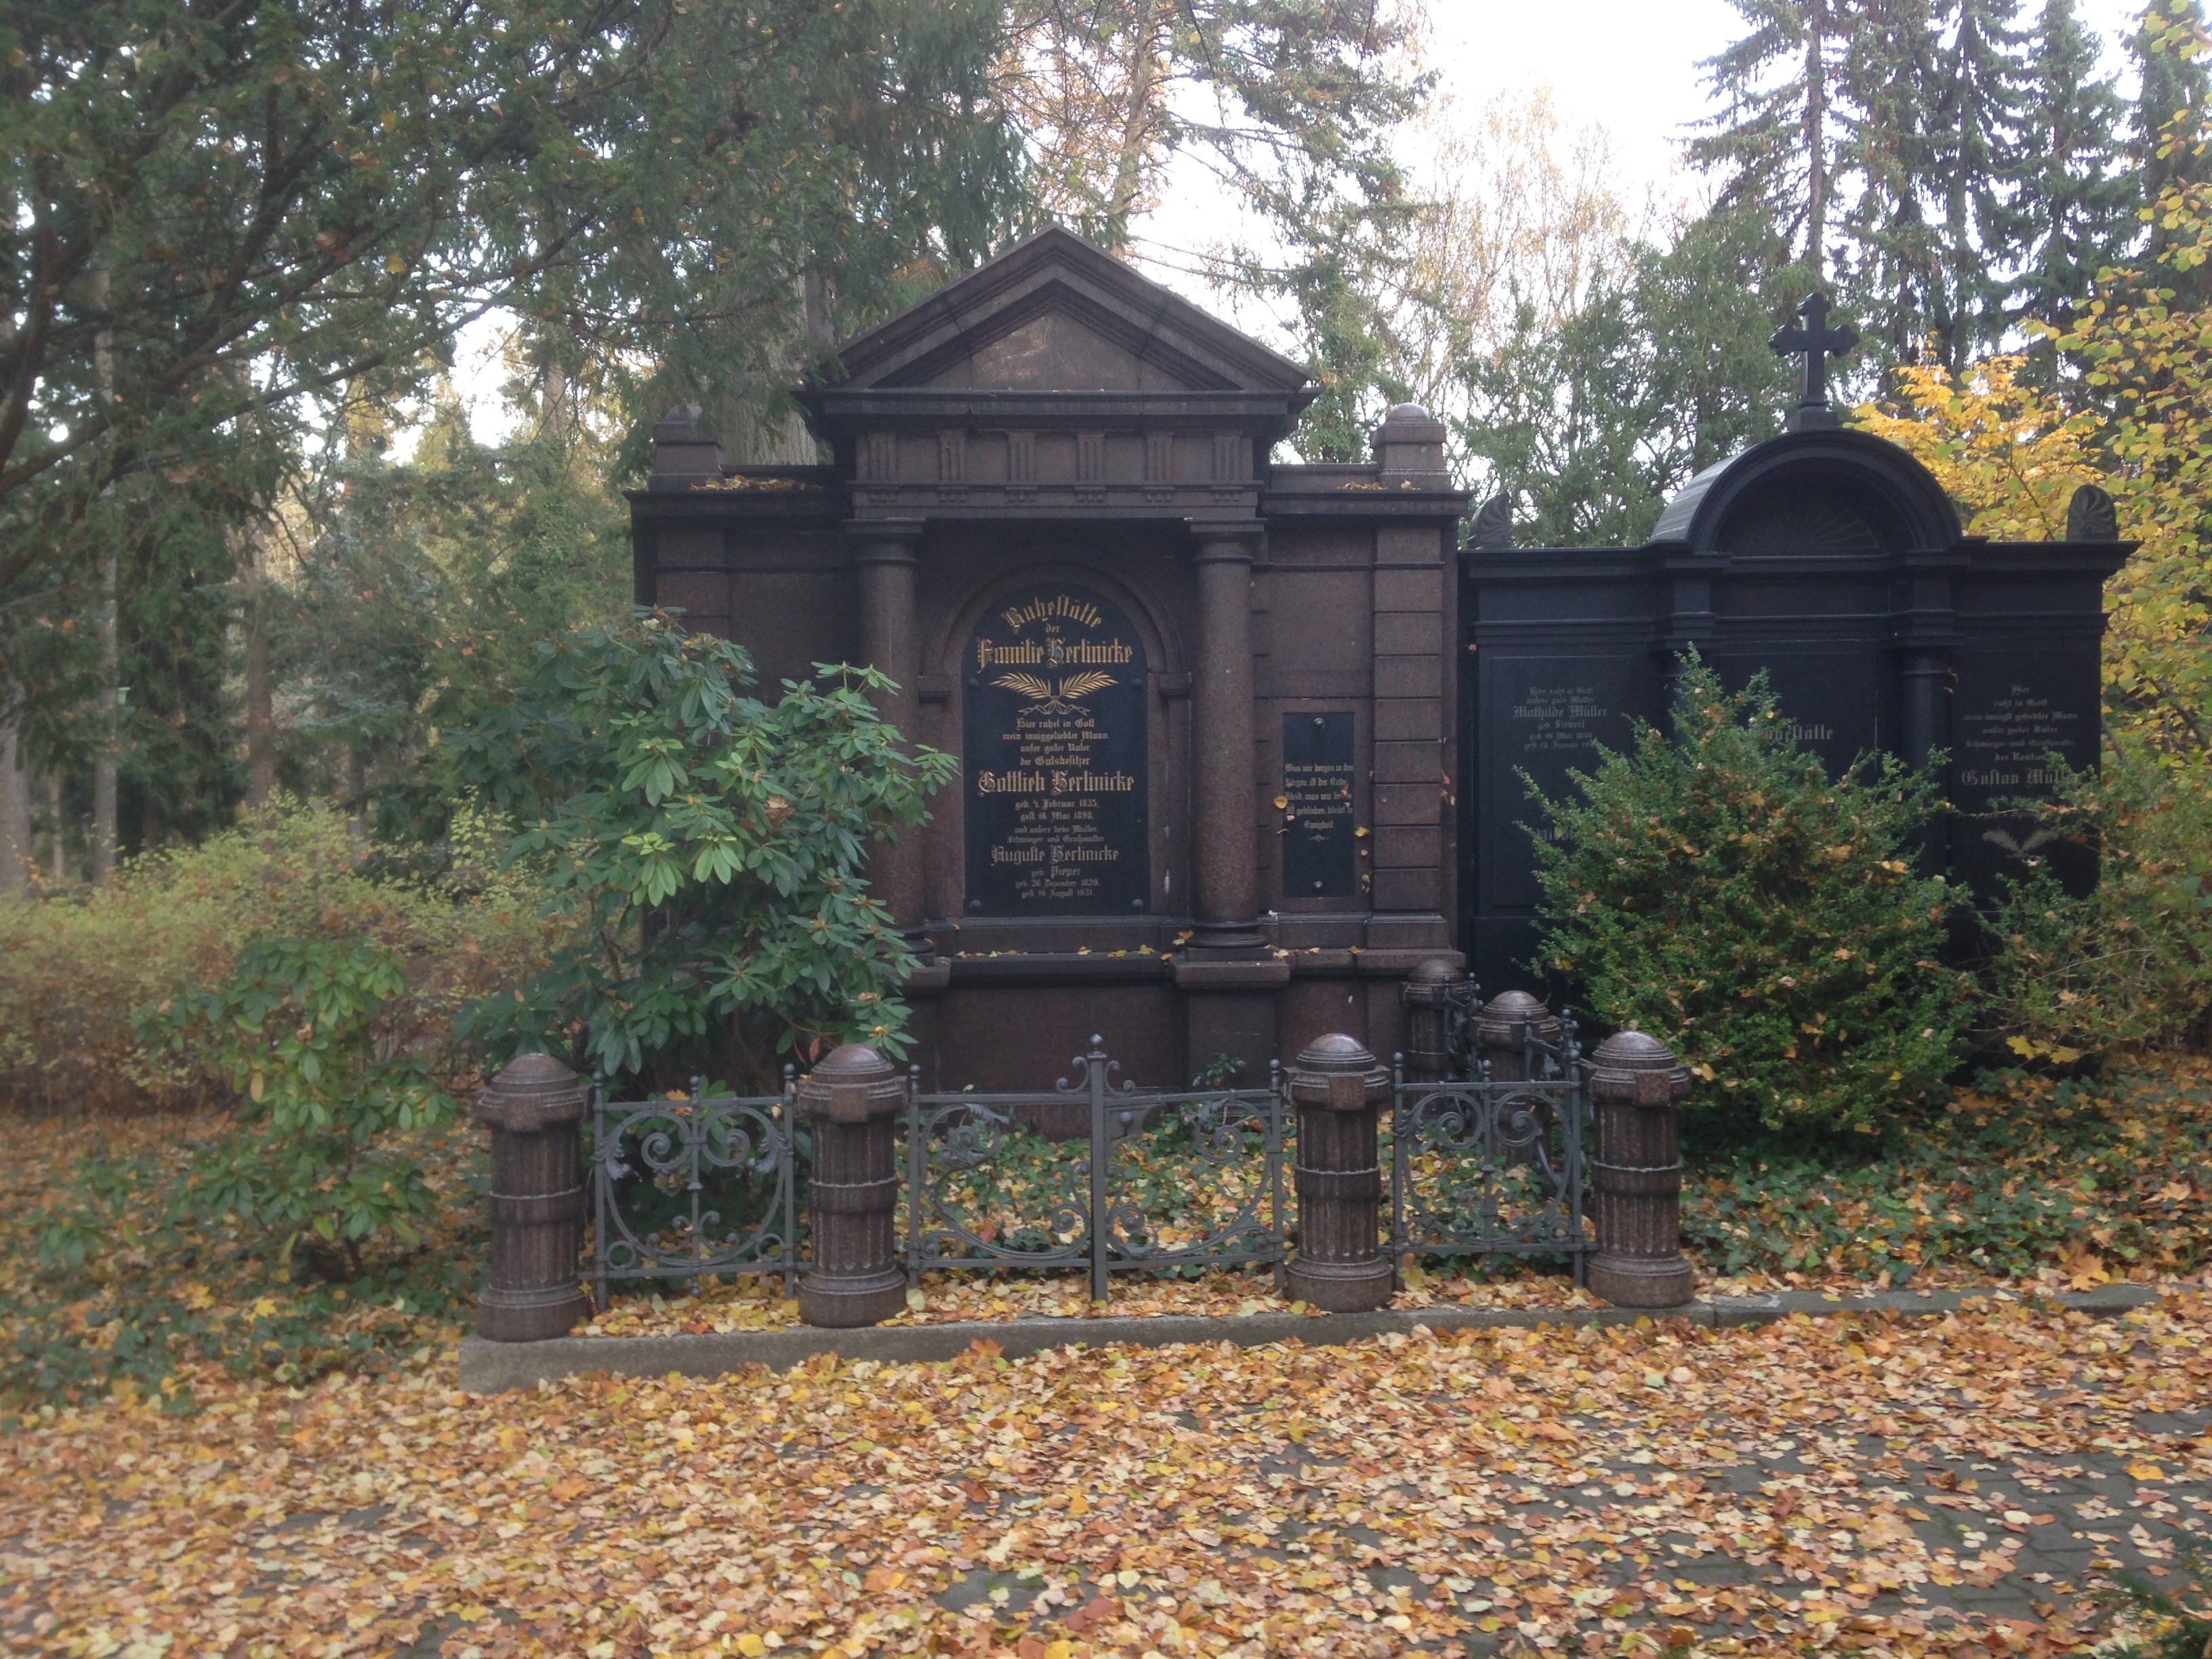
(2074, 1180)
(296, 1028)
(73, 969)
(706, 847)
(115, 1277)
(2129, 962)
(1721, 893)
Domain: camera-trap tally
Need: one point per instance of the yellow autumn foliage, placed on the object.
(2009, 454)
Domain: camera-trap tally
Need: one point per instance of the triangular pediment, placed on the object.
(1060, 314)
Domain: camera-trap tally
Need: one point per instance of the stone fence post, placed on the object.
(852, 1100)
(1339, 1091)
(1427, 996)
(535, 1290)
(1636, 1176)
(1500, 1033)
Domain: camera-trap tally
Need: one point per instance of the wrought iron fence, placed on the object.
(1092, 1174)
(1491, 1164)
(686, 1189)
(1096, 1174)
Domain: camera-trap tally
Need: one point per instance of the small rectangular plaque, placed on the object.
(1321, 849)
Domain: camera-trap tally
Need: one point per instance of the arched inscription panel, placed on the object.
(1054, 757)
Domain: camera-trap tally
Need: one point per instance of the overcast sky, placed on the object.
(1628, 65)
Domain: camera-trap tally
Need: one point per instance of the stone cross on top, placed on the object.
(1814, 341)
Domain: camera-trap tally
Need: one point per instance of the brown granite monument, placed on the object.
(1203, 701)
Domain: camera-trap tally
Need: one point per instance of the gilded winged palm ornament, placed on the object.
(1041, 694)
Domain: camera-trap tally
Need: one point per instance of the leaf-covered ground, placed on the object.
(1938, 1487)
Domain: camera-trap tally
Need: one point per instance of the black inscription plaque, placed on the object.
(1054, 757)
(1545, 717)
(2009, 714)
(1320, 857)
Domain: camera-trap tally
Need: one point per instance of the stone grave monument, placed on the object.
(1834, 561)
(1241, 742)
(1203, 701)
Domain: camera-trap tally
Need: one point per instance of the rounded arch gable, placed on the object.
(1814, 494)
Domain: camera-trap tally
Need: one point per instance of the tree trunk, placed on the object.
(59, 860)
(1816, 154)
(260, 719)
(15, 867)
(108, 697)
(357, 796)
(1137, 125)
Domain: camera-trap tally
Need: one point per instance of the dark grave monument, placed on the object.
(1203, 701)
(1212, 711)
(1832, 560)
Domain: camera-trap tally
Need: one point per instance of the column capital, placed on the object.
(1221, 540)
(883, 541)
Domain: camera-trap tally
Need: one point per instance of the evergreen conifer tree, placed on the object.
(1778, 137)
(1893, 257)
(1975, 117)
(2076, 209)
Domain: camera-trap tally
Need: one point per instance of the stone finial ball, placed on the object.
(530, 1093)
(850, 1084)
(1406, 414)
(1634, 1051)
(1335, 1053)
(1338, 1072)
(853, 1063)
(1499, 1022)
(1636, 1065)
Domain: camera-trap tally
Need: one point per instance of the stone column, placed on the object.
(1635, 1179)
(852, 1100)
(1225, 863)
(890, 640)
(1501, 1029)
(1427, 995)
(1339, 1091)
(535, 1289)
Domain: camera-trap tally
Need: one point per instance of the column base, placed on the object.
(531, 1316)
(1234, 939)
(1630, 1281)
(845, 1305)
(1340, 1286)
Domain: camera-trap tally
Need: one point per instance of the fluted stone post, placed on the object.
(1501, 1030)
(1637, 1177)
(1226, 868)
(1339, 1091)
(1427, 996)
(890, 639)
(535, 1289)
(852, 1100)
